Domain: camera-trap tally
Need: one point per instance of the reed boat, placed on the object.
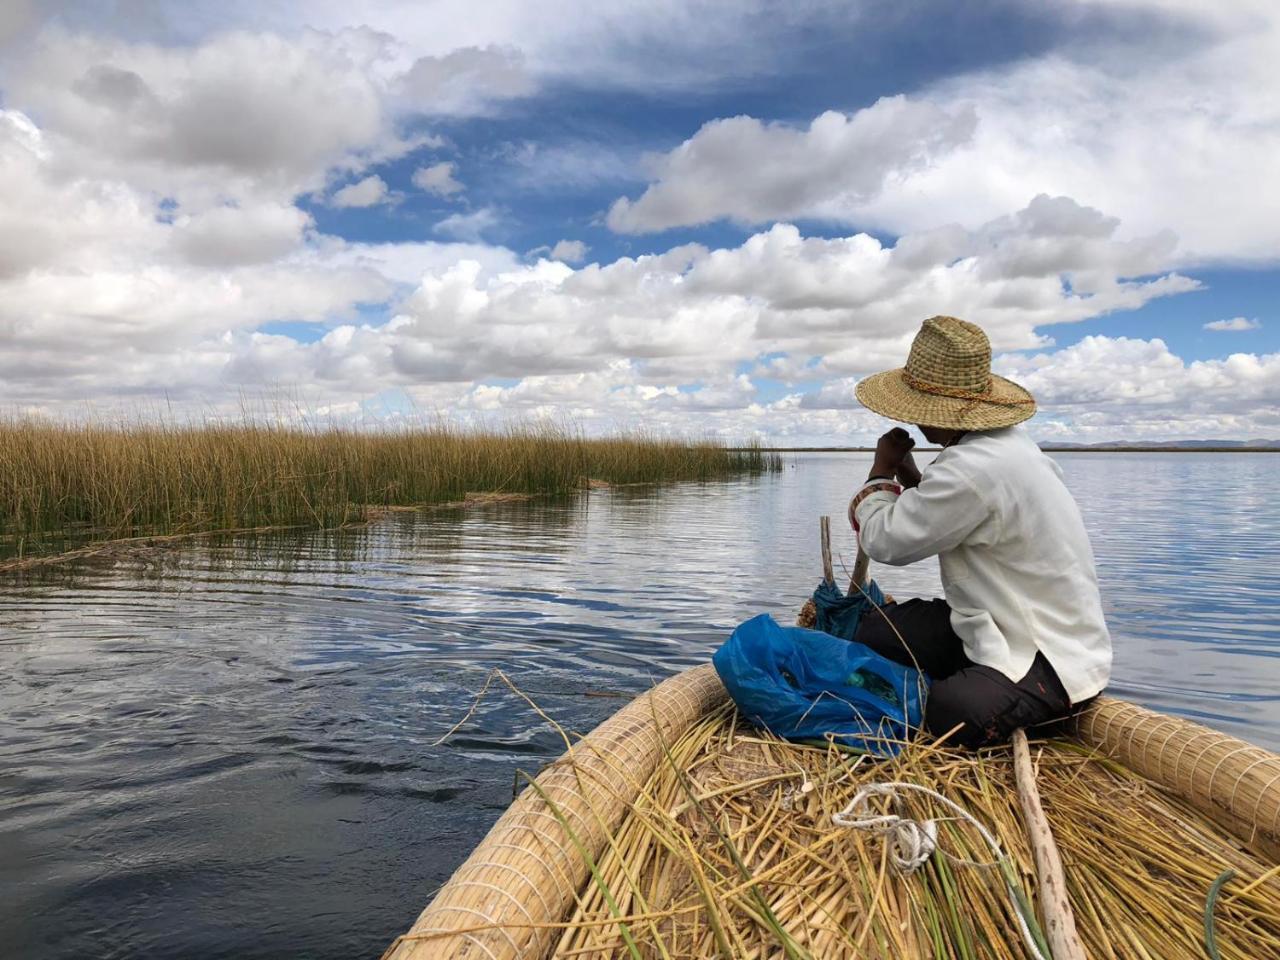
(674, 830)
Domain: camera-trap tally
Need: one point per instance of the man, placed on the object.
(1020, 639)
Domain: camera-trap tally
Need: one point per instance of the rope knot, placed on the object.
(911, 842)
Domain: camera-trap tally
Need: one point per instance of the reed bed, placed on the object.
(729, 850)
(65, 484)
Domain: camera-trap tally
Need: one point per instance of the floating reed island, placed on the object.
(62, 485)
(674, 830)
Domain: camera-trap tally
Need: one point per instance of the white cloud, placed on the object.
(438, 179)
(570, 251)
(145, 237)
(369, 192)
(835, 394)
(692, 313)
(465, 81)
(468, 226)
(1100, 389)
(1118, 387)
(1235, 324)
(822, 307)
(406, 264)
(239, 114)
(185, 294)
(752, 172)
(230, 236)
(1165, 138)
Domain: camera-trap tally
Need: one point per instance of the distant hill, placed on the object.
(1167, 445)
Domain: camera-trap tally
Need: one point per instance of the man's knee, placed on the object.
(916, 633)
(969, 710)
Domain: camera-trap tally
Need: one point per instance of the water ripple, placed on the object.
(228, 750)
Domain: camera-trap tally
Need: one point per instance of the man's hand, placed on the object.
(891, 450)
(908, 473)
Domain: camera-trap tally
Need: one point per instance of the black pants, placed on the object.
(982, 702)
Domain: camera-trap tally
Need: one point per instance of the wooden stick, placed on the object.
(828, 571)
(861, 567)
(1059, 921)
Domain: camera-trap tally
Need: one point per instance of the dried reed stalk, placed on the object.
(717, 840)
(1235, 783)
(1137, 862)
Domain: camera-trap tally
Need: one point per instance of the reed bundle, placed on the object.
(690, 835)
(1237, 784)
(62, 485)
(730, 851)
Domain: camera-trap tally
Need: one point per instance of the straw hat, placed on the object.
(948, 383)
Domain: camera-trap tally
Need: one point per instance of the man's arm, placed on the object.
(900, 527)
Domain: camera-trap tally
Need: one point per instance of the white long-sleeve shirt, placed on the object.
(1017, 568)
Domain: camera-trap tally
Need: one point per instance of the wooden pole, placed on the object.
(1059, 921)
(828, 571)
(861, 567)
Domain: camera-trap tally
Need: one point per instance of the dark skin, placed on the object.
(893, 453)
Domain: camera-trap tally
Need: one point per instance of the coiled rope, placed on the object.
(912, 842)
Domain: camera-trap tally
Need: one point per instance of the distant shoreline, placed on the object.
(1045, 449)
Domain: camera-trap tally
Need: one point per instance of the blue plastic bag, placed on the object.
(802, 685)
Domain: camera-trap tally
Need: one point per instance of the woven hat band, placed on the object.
(984, 396)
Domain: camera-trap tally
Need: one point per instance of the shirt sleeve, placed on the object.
(899, 527)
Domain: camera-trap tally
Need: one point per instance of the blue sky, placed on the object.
(692, 217)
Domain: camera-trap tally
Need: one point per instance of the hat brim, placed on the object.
(890, 396)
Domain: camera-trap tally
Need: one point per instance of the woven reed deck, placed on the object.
(529, 873)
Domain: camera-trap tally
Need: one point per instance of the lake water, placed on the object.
(226, 750)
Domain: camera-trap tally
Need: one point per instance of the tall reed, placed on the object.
(66, 483)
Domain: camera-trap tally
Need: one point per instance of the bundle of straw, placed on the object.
(730, 851)
(1234, 783)
(674, 831)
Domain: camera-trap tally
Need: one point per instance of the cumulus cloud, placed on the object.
(1235, 324)
(468, 226)
(1110, 387)
(835, 394)
(368, 192)
(752, 172)
(570, 251)
(829, 307)
(238, 114)
(230, 236)
(438, 179)
(1178, 141)
(186, 292)
(1181, 139)
(466, 81)
(150, 238)
(1100, 389)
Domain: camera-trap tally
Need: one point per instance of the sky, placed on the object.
(702, 218)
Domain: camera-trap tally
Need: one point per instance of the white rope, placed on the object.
(912, 842)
